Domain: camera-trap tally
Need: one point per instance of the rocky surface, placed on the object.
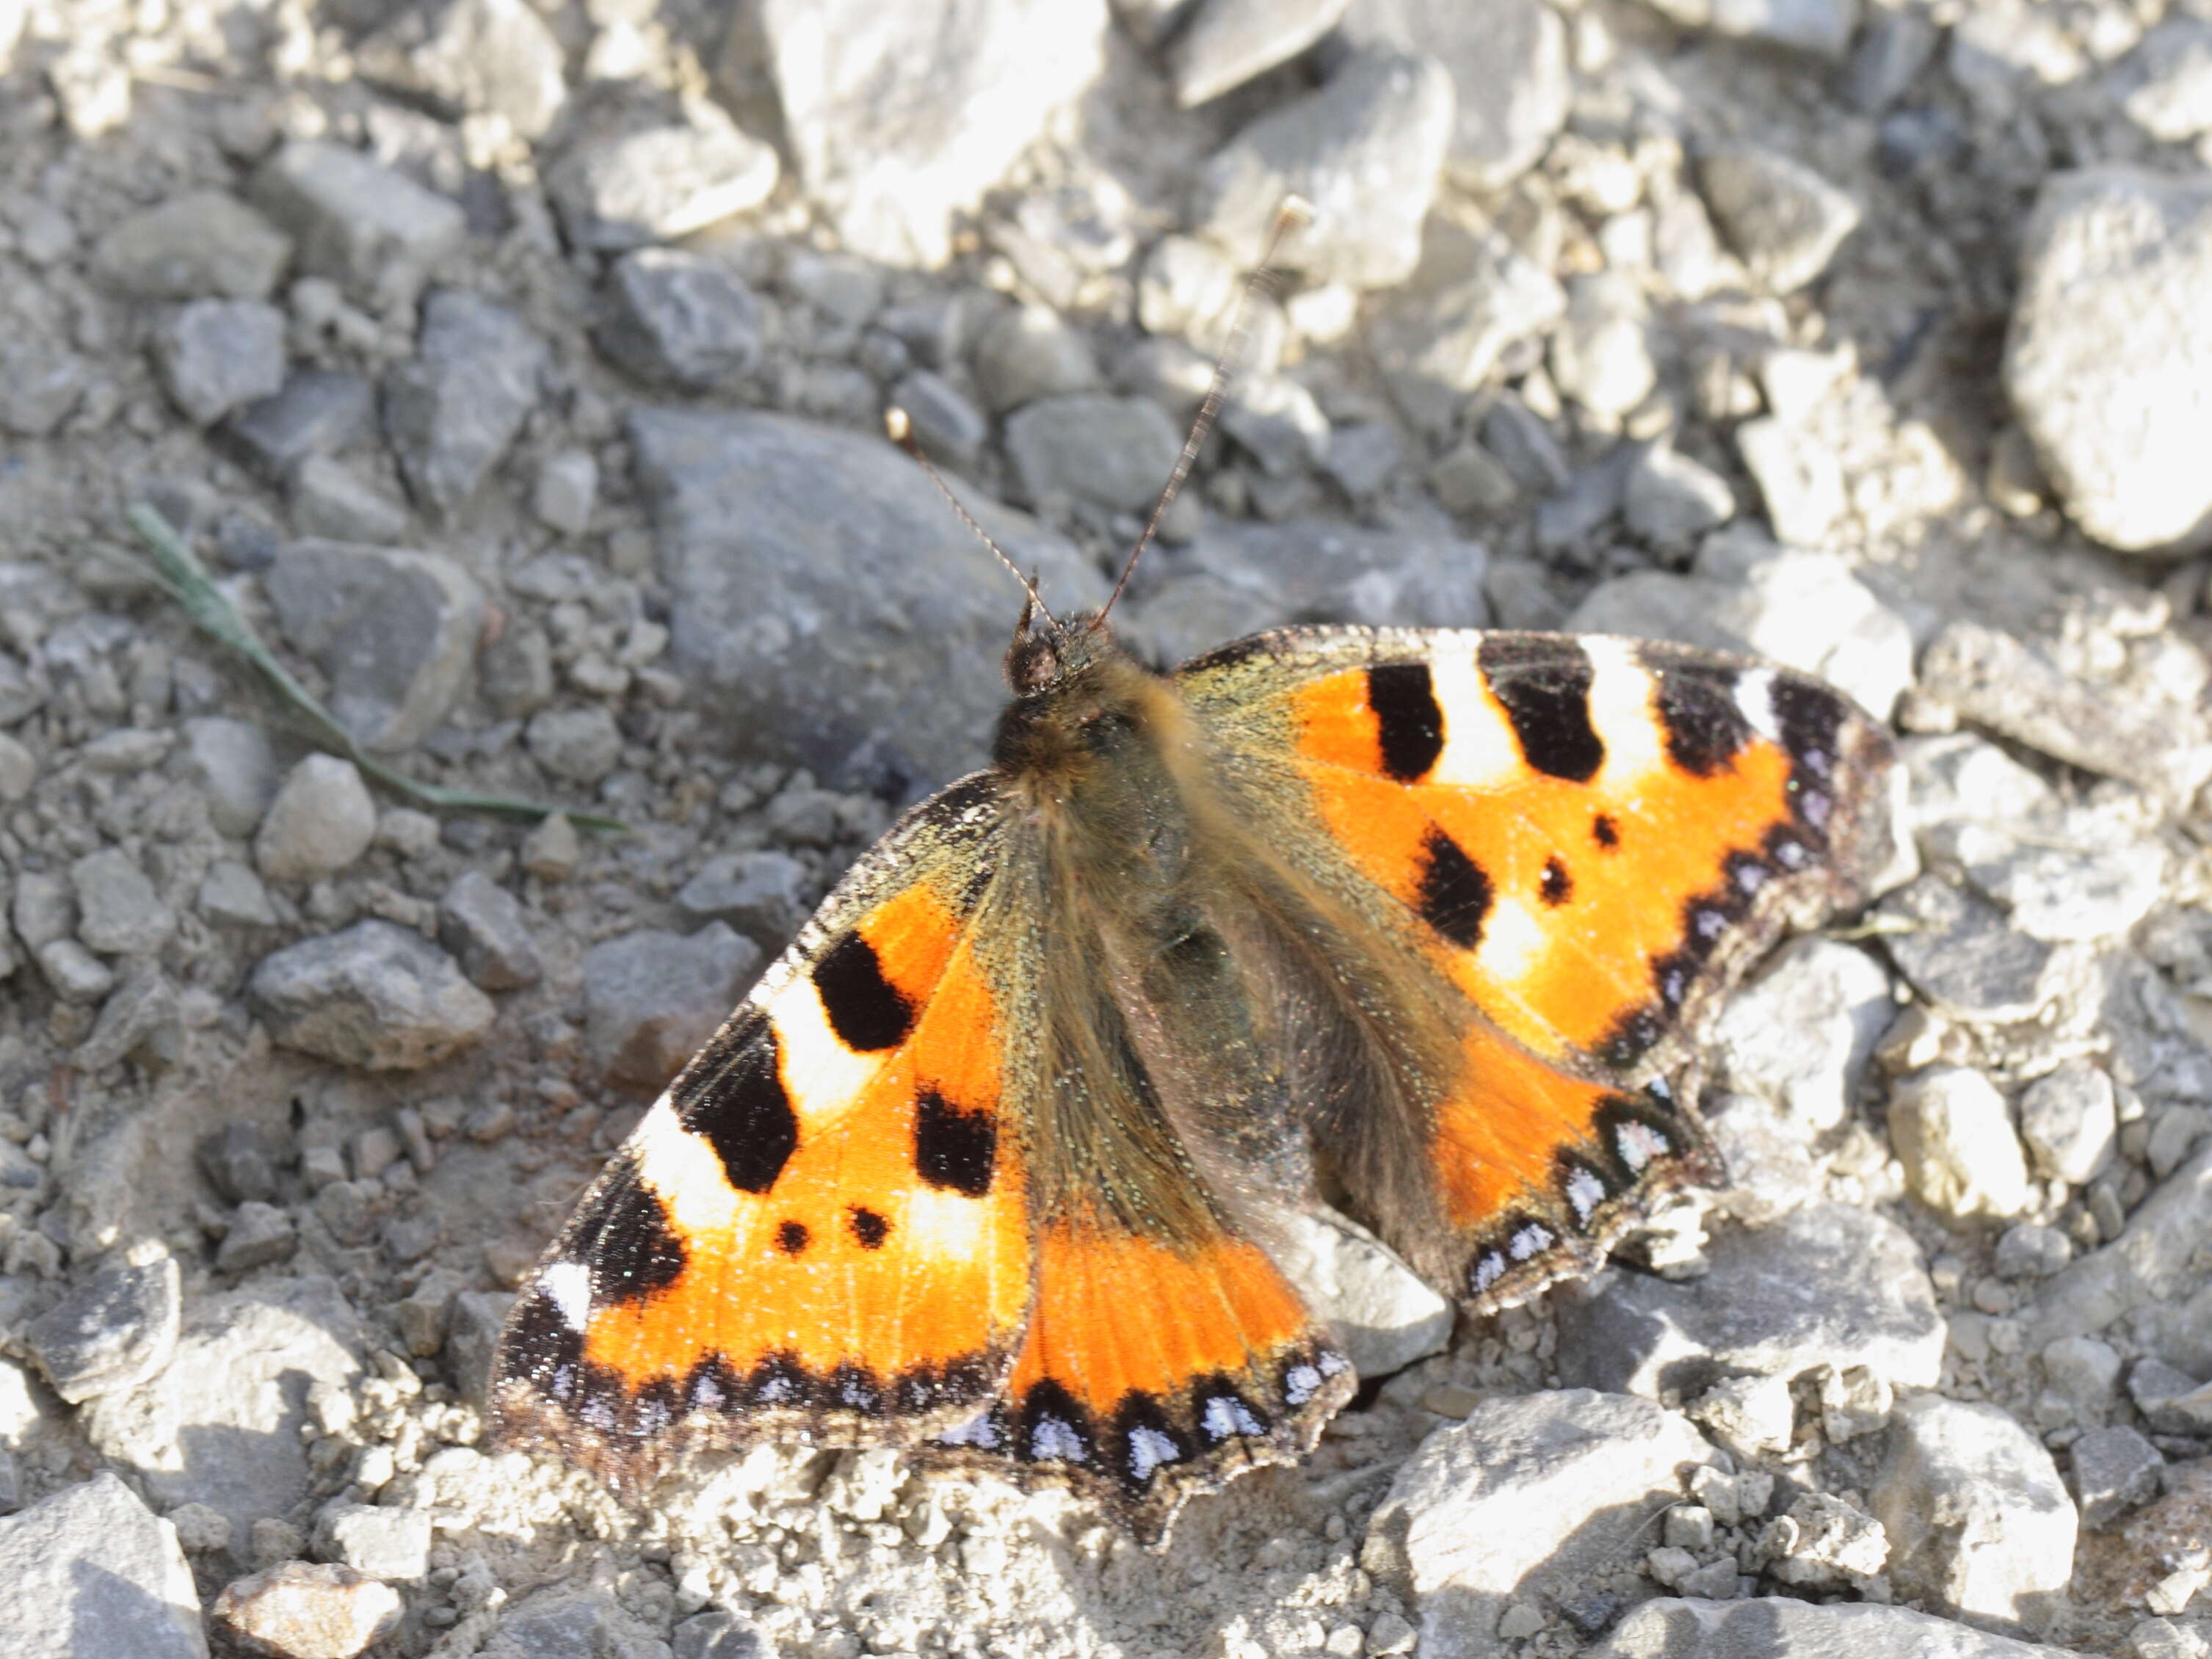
(517, 368)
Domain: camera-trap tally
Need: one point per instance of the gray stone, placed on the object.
(1820, 28)
(1783, 219)
(2164, 84)
(1952, 1133)
(368, 228)
(2115, 1469)
(2084, 1372)
(1473, 296)
(2173, 1134)
(41, 384)
(567, 485)
(950, 429)
(303, 1608)
(1508, 63)
(2029, 1249)
(516, 672)
(230, 893)
(395, 630)
(1668, 1628)
(625, 190)
(1979, 1523)
(1958, 951)
(1240, 578)
(382, 1543)
(890, 611)
(1383, 1316)
(1277, 421)
(2139, 1269)
(845, 287)
(496, 56)
(974, 80)
(1827, 1285)
(113, 1332)
(19, 769)
(1672, 500)
(1891, 50)
(216, 355)
(1804, 610)
(2063, 893)
(76, 975)
(118, 914)
(377, 996)
(1799, 478)
(2103, 363)
(259, 1234)
(1823, 1542)
(44, 908)
(1366, 150)
(1364, 456)
(483, 926)
(559, 1622)
(322, 820)
(139, 1020)
(1600, 354)
(581, 744)
(1230, 41)
(222, 1424)
(1523, 1500)
(651, 998)
(472, 1328)
(1801, 1033)
(451, 412)
(716, 1634)
(764, 896)
(1113, 452)
(331, 501)
(93, 1574)
(680, 318)
(2171, 1401)
(1028, 352)
(1998, 681)
(237, 1160)
(200, 243)
(318, 412)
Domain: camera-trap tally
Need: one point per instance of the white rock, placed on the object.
(2108, 363)
(1801, 1034)
(1528, 1496)
(1951, 1131)
(322, 819)
(1672, 500)
(1672, 1628)
(1601, 353)
(93, 1574)
(897, 117)
(1384, 1315)
(1366, 150)
(1979, 1523)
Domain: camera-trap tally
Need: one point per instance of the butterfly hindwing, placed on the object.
(819, 1232)
(1594, 837)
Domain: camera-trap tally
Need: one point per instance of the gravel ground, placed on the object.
(517, 367)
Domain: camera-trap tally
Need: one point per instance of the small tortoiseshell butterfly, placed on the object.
(987, 1164)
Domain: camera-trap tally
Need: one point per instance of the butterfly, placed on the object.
(990, 1162)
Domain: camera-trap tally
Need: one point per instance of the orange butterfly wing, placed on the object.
(820, 1231)
(1594, 836)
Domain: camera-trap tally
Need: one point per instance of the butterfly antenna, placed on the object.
(899, 427)
(1295, 214)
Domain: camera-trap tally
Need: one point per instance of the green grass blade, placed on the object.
(181, 573)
